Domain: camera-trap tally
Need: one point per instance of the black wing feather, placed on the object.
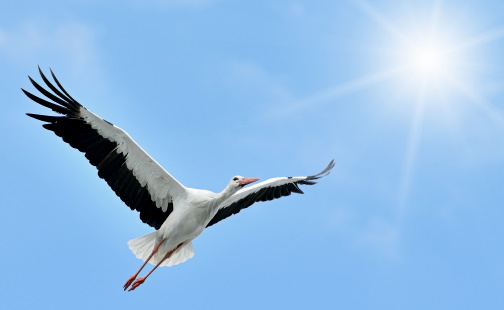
(101, 152)
(47, 104)
(49, 95)
(54, 89)
(60, 86)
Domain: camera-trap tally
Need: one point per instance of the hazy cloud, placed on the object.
(376, 234)
(297, 10)
(252, 76)
(37, 41)
(173, 3)
(382, 237)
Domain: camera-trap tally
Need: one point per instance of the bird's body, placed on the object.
(186, 222)
(178, 213)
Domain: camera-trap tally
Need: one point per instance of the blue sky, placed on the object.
(406, 96)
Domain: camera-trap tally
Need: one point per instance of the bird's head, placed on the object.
(239, 181)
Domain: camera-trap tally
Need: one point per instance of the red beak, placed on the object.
(246, 181)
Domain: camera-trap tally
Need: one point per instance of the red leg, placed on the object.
(133, 277)
(142, 279)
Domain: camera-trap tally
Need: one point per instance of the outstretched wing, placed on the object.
(133, 175)
(264, 191)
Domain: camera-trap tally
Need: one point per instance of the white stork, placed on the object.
(178, 213)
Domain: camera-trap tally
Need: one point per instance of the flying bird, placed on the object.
(176, 212)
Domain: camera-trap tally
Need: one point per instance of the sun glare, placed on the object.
(436, 66)
(427, 60)
(428, 63)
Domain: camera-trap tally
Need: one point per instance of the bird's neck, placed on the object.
(225, 194)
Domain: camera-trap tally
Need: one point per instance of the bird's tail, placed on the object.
(142, 247)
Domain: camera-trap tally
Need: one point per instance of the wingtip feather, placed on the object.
(324, 172)
(61, 87)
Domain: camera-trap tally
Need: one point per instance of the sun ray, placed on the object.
(338, 90)
(413, 142)
(425, 59)
(479, 102)
(379, 19)
(486, 37)
(436, 13)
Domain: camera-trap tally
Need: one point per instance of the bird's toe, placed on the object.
(128, 283)
(137, 283)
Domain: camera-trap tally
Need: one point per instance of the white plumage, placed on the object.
(142, 247)
(178, 213)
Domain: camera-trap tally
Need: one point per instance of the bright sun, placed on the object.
(423, 52)
(427, 60)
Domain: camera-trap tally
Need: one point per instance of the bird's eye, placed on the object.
(235, 179)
